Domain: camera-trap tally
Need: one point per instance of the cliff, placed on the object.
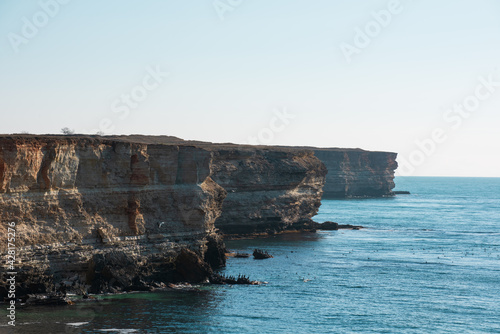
(355, 173)
(268, 190)
(119, 213)
(107, 214)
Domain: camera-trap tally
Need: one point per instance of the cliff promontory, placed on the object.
(355, 173)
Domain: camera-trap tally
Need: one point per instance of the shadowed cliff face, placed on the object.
(357, 173)
(88, 211)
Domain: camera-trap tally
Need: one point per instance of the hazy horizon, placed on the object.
(417, 78)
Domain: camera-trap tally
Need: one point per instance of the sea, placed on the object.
(428, 262)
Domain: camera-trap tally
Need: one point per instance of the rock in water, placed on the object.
(259, 254)
(328, 225)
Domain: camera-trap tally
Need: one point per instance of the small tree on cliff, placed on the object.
(67, 131)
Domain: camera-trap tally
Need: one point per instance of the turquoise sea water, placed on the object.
(428, 262)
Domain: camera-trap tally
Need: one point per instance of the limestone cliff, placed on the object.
(106, 213)
(130, 212)
(268, 189)
(354, 173)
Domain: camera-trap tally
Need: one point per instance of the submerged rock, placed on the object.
(332, 226)
(328, 225)
(241, 279)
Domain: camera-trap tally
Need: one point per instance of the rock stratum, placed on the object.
(107, 214)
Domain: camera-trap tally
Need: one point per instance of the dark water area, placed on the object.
(426, 262)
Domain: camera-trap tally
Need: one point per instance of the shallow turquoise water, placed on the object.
(427, 262)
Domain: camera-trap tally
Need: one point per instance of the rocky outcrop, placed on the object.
(108, 214)
(355, 173)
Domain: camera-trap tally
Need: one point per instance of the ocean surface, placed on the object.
(428, 262)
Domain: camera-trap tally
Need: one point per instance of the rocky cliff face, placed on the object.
(105, 213)
(268, 190)
(117, 213)
(356, 173)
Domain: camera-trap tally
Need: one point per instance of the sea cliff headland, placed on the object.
(119, 213)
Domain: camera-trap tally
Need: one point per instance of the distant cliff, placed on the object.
(355, 173)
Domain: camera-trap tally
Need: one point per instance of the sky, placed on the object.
(416, 77)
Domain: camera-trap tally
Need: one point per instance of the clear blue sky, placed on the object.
(228, 77)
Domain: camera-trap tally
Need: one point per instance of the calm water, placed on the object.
(427, 262)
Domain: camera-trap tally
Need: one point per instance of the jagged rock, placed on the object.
(241, 279)
(47, 300)
(215, 255)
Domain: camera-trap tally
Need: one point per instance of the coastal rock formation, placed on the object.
(355, 173)
(108, 214)
(268, 190)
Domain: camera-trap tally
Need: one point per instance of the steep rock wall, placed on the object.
(268, 190)
(104, 213)
(354, 173)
